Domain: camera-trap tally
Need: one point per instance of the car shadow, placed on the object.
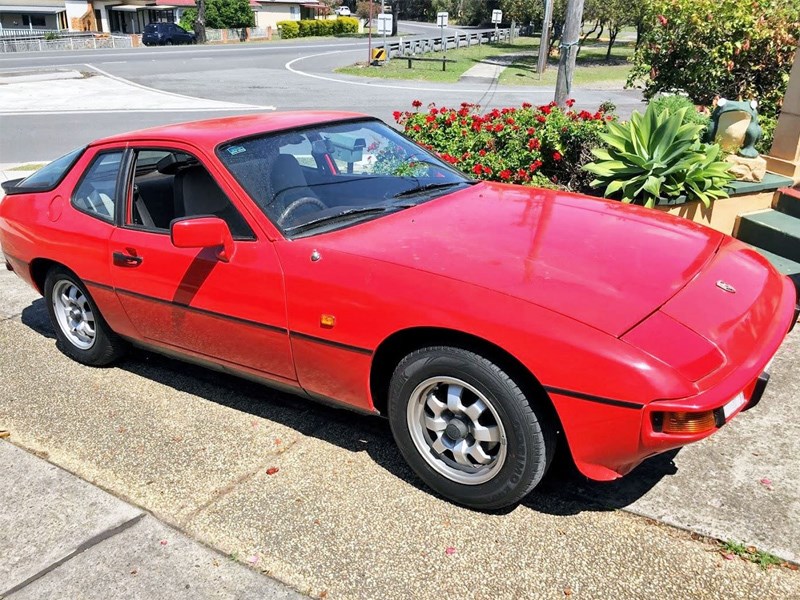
(564, 491)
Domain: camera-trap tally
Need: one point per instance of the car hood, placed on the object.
(606, 264)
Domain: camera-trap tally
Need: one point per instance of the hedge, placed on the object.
(312, 27)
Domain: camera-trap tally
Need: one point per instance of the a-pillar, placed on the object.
(784, 156)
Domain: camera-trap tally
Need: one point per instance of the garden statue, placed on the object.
(734, 126)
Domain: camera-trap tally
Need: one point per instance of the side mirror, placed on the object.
(203, 232)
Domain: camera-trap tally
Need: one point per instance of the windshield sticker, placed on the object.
(234, 150)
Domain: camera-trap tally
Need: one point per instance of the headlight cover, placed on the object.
(664, 338)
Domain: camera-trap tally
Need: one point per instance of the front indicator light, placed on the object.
(684, 422)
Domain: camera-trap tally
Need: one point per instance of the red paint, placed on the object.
(614, 309)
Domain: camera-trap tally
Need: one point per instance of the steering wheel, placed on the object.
(293, 206)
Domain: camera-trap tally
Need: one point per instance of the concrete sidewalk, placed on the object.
(64, 538)
(488, 70)
(92, 89)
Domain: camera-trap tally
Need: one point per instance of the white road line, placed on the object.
(232, 105)
(453, 90)
(188, 53)
(240, 109)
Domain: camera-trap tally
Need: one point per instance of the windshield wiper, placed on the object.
(430, 186)
(346, 215)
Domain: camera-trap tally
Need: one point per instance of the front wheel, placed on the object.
(467, 429)
(81, 332)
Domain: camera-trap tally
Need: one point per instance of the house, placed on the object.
(270, 12)
(130, 16)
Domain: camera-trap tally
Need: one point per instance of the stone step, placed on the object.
(788, 202)
(784, 265)
(773, 231)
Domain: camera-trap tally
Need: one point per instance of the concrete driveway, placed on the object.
(343, 517)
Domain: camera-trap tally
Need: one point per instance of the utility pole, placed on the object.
(569, 48)
(199, 24)
(544, 40)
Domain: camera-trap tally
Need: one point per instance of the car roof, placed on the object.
(212, 132)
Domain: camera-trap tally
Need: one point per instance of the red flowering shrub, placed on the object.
(530, 145)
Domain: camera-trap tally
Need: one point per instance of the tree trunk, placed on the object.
(569, 42)
(639, 31)
(612, 33)
(544, 41)
(600, 34)
(199, 24)
(586, 35)
(395, 15)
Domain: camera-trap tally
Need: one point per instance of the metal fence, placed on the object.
(71, 43)
(421, 45)
(26, 32)
(238, 35)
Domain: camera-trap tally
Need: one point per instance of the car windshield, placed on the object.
(331, 176)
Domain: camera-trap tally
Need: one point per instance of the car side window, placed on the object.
(170, 184)
(96, 193)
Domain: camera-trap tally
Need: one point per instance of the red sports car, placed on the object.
(325, 254)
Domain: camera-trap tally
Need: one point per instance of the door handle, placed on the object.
(126, 260)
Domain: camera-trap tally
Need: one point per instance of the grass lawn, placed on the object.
(591, 67)
(432, 71)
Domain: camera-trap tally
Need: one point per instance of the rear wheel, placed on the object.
(467, 429)
(81, 332)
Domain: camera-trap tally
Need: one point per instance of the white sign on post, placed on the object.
(385, 24)
(441, 19)
(497, 16)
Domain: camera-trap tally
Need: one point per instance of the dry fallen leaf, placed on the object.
(4, 433)
(568, 591)
(273, 470)
(323, 594)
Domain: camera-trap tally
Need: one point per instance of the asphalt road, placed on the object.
(289, 75)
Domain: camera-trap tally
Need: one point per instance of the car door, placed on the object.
(188, 299)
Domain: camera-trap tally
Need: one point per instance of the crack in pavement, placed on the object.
(91, 542)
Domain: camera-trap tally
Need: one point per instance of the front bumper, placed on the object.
(609, 440)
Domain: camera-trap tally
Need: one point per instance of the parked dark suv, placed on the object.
(159, 34)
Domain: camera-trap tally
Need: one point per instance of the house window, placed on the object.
(294, 11)
(33, 21)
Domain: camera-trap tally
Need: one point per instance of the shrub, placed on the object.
(528, 145)
(312, 27)
(674, 103)
(656, 156)
(346, 25)
(289, 29)
(731, 48)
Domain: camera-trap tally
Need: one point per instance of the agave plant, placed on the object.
(657, 155)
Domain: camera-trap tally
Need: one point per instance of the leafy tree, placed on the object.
(522, 11)
(219, 14)
(467, 12)
(707, 48)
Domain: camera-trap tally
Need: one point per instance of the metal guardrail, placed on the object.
(71, 43)
(422, 45)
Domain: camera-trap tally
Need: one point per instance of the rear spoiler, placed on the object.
(9, 185)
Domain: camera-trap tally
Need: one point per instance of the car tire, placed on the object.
(81, 332)
(467, 429)
(168, 43)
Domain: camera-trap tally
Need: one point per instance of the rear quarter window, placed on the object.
(49, 176)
